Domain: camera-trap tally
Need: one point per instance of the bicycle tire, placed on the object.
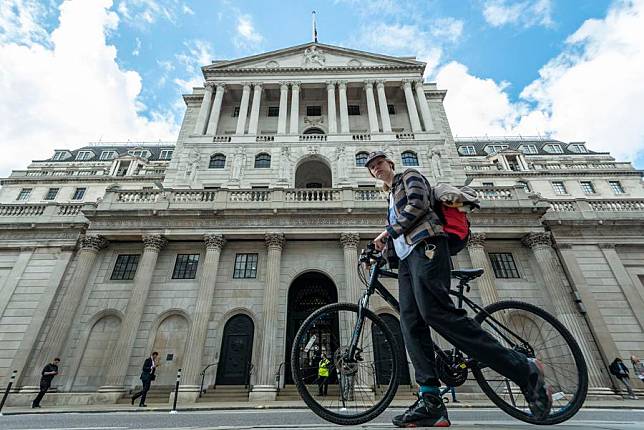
(579, 396)
(298, 377)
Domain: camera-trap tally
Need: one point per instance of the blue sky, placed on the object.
(82, 70)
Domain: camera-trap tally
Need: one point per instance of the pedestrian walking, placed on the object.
(147, 376)
(47, 375)
(323, 375)
(638, 367)
(620, 371)
(416, 236)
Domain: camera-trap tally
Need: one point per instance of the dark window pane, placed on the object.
(313, 110)
(235, 111)
(186, 266)
(273, 111)
(503, 265)
(217, 161)
(125, 267)
(361, 159)
(79, 194)
(245, 266)
(391, 109)
(409, 158)
(51, 194)
(354, 109)
(262, 160)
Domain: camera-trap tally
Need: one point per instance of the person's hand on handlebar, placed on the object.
(380, 242)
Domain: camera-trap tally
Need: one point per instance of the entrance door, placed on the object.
(308, 293)
(236, 351)
(383, 355)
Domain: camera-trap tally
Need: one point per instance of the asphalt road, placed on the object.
(480, 419)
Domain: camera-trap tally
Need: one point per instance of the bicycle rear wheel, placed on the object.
(535, 333)
(360, 387)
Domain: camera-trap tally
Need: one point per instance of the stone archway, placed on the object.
(100, 344)
(236, 351)
(308, 292)
(313, 173)
(170, 343)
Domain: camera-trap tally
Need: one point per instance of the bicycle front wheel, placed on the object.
(536, 333)
(358, 388)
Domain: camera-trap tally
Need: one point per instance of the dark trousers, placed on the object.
(323, 385)
(425, 303)
(41, 394)
(143, 393)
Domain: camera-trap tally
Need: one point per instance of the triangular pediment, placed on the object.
(314, 55)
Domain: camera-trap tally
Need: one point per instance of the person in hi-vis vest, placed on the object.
(323, 375)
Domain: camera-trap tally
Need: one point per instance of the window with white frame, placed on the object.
(165, 154)
(24, 194)
(529, 149)
(493, 149)
(79, 193)
(578, 147)
(143, 153)
(361, 159)
(51, 194)
(84, 155)
(553, 148)
(108, 155)
(616, 186)
(587, 187)
(60, 155)
(559, 187)
(467, 150)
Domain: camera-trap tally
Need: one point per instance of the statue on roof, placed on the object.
(313, 55)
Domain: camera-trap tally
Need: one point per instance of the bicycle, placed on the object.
(366, 358)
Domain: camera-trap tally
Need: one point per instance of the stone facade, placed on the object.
(194, 249)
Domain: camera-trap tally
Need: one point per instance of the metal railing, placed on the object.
(203, 377)
(251, 370)
(278, 376)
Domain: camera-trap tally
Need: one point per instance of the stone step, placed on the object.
(225, 393)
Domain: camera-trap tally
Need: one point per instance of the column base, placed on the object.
(112, 389)
(262, 393)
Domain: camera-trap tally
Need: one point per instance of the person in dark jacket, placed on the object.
(620, 371)
(47, 375)
(147, 376)
(415, 235)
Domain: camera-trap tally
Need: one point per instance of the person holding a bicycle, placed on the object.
(415, 237)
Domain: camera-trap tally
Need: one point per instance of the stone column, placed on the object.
(56, 339)
(192, 363)
(243, 110)
(561, 298)
(281, 120)
(200, 125)
(486, 284)
(411, 106)
(295, 108)
(424, 106)
(330, 96)
(350, 243)
(384, 110)
(119, 359)
(371, 107)
(216, 109)
(344, 108)
(254, 110)
(265, 388)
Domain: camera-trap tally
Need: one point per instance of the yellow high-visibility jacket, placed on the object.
(323, 369)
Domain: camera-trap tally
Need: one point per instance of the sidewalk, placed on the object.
(164, 407)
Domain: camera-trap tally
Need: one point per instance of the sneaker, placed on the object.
(427, 411)
(537, 393)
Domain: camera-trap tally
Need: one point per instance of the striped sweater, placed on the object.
(415, 218)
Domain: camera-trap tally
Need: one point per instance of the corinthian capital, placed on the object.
(93, 243)
(380, 83)
(534, 240)
(476, 240)
(214, 241)
(154, 242)
(349, 240)
(274, 240)
(209, 85)
(342, 85)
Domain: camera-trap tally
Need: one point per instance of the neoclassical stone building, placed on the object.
(213, 250)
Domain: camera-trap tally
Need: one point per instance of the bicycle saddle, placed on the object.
(467, 274)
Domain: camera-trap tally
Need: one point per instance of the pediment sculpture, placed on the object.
(314, 56)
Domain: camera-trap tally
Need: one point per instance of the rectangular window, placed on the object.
(488, 184)
(468, 150)
(587, 187)
(235, 111)
(273, 111)
(578, 147)
(165, 154)
(79, 194)
(51, 194)
(391, 109)
(493, 149)
(503, 265)
(125, 267)
(60, 155)
(529, 149)
(554, 149)
(24, 194)
(84, 155)
(313, 110)
(616, 187)
(185, 266)
(108, 155)
(143, 153)
(354, 109)
(559, 187)
(245, 266)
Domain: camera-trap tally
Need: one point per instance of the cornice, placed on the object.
(83, 179)
(553, 172)
(273, 70)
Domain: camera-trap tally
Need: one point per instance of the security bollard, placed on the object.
(176, 393)
(6, 392)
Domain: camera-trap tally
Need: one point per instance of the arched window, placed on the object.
(262, 161)
(361, 159)
(217, 161)
(409, 158)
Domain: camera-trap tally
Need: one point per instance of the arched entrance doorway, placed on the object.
(313, 173)
(309, 292)
(100, 344)
(170, 343)
(382, 353)
(236, 351)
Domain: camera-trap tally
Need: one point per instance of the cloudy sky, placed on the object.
(78, 71)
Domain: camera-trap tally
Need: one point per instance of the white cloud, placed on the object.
(137, 49)
(593, 91)
(525, 13)
(83, 94)
(247, 37)
(449, 29)
(139, 12)
(19, 21)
